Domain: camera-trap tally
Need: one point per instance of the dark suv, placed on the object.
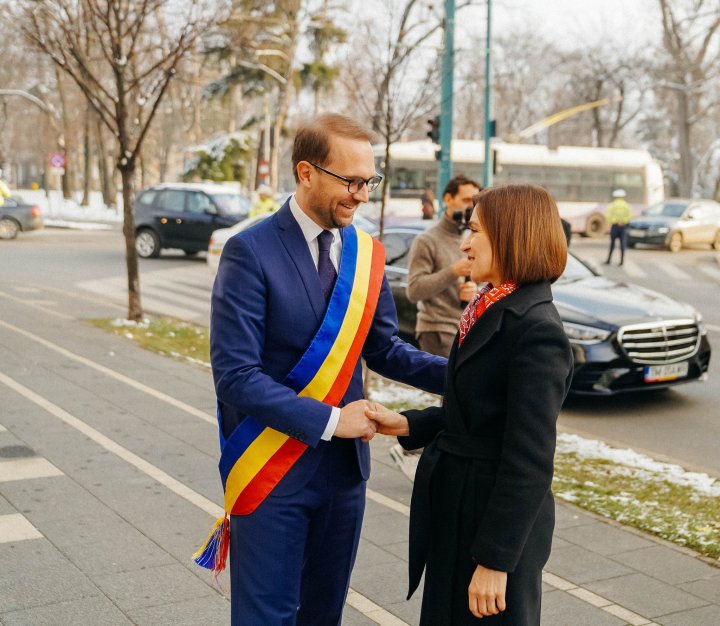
(184, 215)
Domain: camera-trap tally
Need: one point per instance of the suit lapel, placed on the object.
(293, 239)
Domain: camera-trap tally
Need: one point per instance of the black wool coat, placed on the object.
(482, 489)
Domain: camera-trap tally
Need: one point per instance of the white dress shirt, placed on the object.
(310, 231)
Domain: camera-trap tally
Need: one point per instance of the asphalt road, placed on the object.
(681, 424)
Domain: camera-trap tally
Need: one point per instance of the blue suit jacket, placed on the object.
(267, 305)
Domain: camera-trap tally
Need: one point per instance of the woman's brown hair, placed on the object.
(525, 232)
(312, 141)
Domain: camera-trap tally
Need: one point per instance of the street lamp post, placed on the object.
(487, 169)
(446, 100)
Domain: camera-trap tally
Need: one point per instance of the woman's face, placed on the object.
(477, 247)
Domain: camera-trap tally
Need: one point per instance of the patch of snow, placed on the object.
(628, 458)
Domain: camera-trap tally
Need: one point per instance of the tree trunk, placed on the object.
(68, 179)
(87, 158)
(685, 175)
(106, 176)
(127, 173)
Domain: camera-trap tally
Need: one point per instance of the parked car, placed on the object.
(184, 215)
(219, 237)
(677, 222)
(624, 337)
(16, 215)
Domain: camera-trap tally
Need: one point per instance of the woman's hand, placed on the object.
(486, 593)
(388, 422)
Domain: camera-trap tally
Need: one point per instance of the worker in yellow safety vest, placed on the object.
(618, 215)
(264, 203)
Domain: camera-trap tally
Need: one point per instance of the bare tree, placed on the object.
(691, 38)
(111, 49)
(392, 79)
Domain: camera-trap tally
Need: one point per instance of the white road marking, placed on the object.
(178, 404)
(15, 527)
(108, 444)
(673, 271)
(399, 507)
(633, 269)
(35, 306)
(595, 600)
(709, 270)
(2, 428)
(25, 469)
(374, 612)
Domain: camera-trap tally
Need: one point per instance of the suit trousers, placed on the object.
(291, 559)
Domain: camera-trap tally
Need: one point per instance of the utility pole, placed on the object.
(446, 101)
(489, 132)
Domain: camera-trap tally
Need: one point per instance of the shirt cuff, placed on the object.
(332, 424)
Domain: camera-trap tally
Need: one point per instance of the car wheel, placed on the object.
(676, 242)
(190, 252)
(147, 244)
(716, 242)
(595, 226)
(9, 228)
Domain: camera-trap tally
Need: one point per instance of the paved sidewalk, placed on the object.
(108, 483)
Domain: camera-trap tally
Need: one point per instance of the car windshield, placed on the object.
(574, 270)
(232, 203)
(666, 209)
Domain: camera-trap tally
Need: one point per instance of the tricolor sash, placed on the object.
(254, 458)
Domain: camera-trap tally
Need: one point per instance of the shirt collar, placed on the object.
(309, 227)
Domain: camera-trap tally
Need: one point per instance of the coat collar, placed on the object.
(519, 302)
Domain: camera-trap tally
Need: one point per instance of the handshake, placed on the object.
(364, 419)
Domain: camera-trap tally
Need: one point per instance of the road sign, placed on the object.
(57, 160)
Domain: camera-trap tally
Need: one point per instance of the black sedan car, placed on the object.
(624, 337)
(184, 216)
(17, 215)
(676, 223)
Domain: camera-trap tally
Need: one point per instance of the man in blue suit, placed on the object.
(291, 557)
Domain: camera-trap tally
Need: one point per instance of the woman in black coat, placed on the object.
(482, 513)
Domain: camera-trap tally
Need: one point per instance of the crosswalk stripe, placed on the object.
(24, 469)
(672, 271)
(633, 269)
(709, 270)
(2, 428)
(15, 527)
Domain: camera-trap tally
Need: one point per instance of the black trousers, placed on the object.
(618, 232)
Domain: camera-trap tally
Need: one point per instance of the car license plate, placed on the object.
(659, 373)
(634, 232)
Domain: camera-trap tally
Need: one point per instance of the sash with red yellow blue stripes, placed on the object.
(255, 457)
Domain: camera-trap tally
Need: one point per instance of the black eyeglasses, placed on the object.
(354, 185)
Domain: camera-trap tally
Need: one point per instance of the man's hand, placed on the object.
(461, 267)
(354, 423)
(486, 593)
(468, 291)
(388, 422)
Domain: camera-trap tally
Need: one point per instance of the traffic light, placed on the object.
(434, 132)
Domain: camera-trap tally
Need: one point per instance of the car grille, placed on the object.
(660, 342)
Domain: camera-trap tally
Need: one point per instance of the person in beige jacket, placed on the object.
(437, 271)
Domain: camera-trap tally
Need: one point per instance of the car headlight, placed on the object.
(579, 333)
(702, 329)
(663, 230)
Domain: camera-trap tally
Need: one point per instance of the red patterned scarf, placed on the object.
(483, 299)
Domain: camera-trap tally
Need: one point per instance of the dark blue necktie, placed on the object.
(326, 270)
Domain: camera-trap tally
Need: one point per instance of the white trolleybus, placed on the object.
(580, 179)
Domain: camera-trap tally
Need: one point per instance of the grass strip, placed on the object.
(164, 335)
(643, 496)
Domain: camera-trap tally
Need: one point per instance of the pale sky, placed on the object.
(572, 21)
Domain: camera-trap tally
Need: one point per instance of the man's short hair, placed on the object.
(526, 234)
(453, 185)
(312, 141)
